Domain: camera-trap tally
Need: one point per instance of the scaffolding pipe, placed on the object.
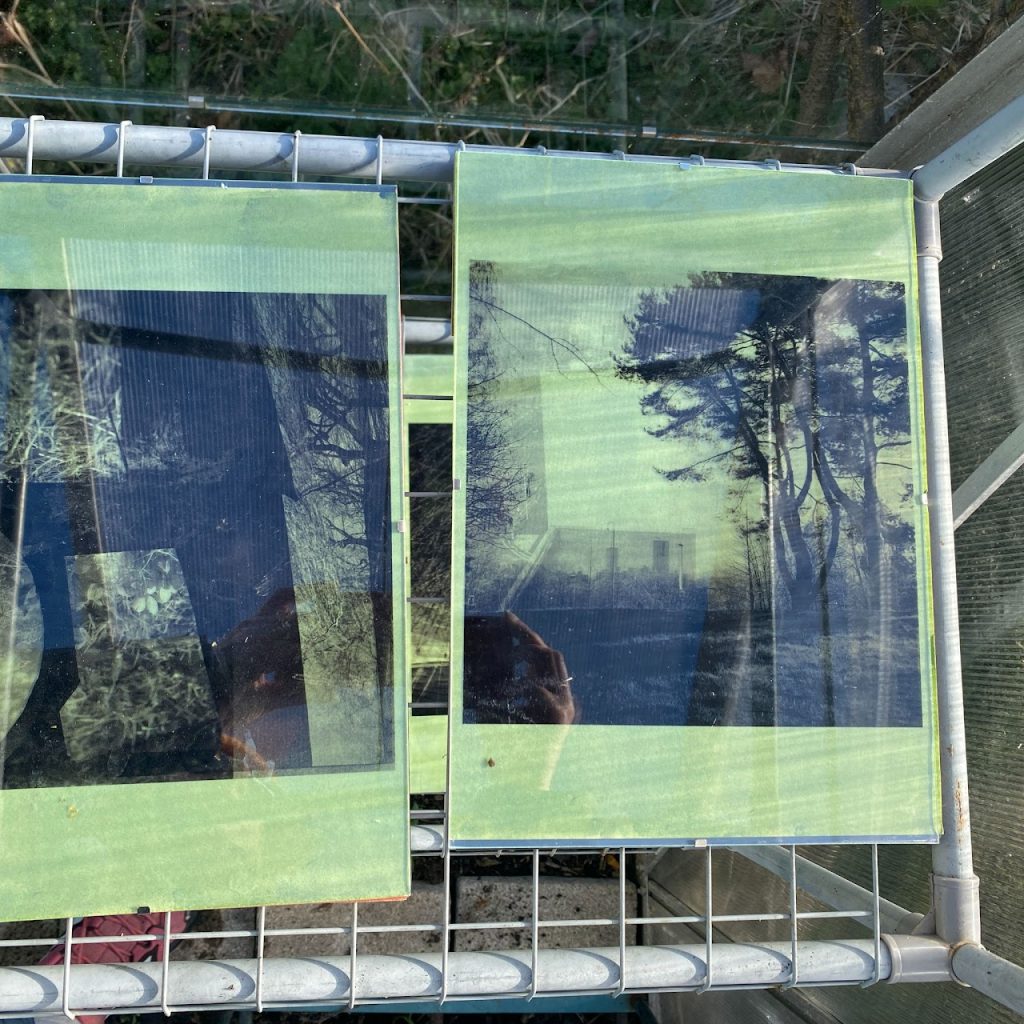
(325, 980)
(273, 152)
(422, 330)
(975, 151)
(997, 978)
(954, 885)
(426, 838)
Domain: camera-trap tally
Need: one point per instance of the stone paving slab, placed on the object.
(509, 899)
(424, 906)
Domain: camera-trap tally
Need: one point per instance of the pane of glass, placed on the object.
(692, 505)
(431, 546)
(590, 76)
(430, 457)
(430, 625)
(709, 524)
(203, 602)
(198, 485)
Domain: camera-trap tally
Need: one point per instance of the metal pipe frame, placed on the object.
(272, 152)
(955, 887)
(833, 890)
(327, 980)
(988, 477)
(954, 884)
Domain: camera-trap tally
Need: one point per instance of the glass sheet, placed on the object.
(197, 528)
(694, 545)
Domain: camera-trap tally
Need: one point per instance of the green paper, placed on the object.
(200, 391)
(691, 592)
(428, 379)
(428, 752)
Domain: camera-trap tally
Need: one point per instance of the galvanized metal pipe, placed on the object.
(989, 477)
(997, 978)
(326, 980)
(230, 150)
(954, 884)
(976, 150)
(426, 838)
(422, 330)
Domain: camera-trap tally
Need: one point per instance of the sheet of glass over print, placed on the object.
(202, 700)
(694, 600)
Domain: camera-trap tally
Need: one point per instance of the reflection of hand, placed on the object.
(548, 692)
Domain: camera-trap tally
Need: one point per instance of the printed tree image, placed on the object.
(808, 403)
(809, 400)
(498, 479)
(702, 495)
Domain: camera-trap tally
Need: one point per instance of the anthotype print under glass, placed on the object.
(690, 505)
(690, 592)
(197, 484)
(202, 583)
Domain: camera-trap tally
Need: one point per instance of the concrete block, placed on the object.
(492, 899)
(423, 907)
(25, 956)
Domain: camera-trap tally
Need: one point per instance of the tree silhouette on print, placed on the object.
(807, 400)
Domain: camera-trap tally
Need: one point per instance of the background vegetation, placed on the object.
(611, 68)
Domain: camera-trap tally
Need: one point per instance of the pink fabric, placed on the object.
(117, 952)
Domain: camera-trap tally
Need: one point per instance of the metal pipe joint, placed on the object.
(917, 959)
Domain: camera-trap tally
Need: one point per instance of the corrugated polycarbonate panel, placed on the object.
(983, 312)
(990, 566)
(982, 275)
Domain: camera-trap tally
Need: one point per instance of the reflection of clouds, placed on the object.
(695, 322)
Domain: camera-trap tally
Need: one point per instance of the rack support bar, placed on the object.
(325, 980)
(236, 150)
(998, 978)
(954, 884)
(976, 150)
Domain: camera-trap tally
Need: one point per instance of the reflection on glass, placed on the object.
(195, 551)
(690, 506)
(430, 458)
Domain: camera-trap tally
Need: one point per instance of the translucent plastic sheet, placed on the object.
(694, 600)
(203, 595)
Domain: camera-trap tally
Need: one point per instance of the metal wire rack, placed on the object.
(236, 966)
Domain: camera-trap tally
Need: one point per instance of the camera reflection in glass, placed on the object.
(513, 676)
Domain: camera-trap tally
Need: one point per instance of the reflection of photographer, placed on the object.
(512, 676)
(263, 706)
